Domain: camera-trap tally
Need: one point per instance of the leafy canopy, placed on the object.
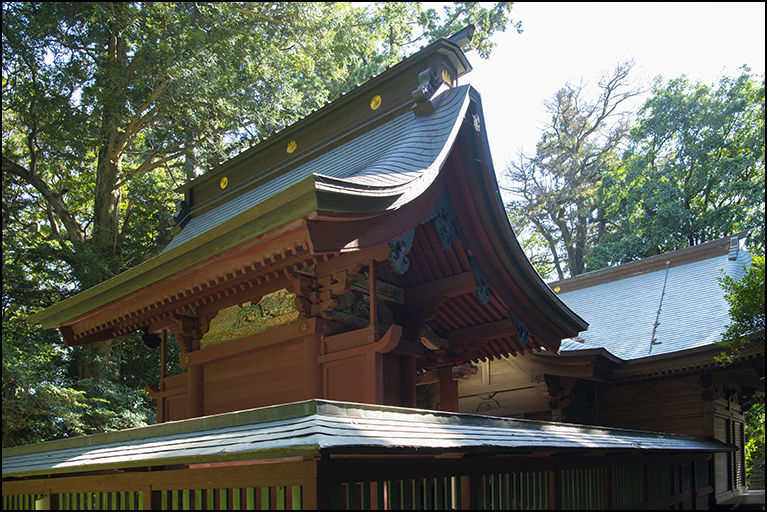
(693, 172)
(107, 108)
(746, 299)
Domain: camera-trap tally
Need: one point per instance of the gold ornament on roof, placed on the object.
(224, 182)
(292, 146)
(375, 102)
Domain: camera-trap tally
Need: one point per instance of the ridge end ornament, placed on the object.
(399, 249)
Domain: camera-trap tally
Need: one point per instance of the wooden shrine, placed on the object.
(313, 283)
(338, 259)
(613, 377)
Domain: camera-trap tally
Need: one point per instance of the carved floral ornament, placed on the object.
(235, 322)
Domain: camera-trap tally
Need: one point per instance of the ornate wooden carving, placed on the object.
(445, 221)
(332, 286)
(188, 332)
(464, 371)
(398, 255)
(523, 333)
(483, 284)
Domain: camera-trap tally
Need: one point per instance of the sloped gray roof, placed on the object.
(322, 426)
(398, 154)
(621, 313)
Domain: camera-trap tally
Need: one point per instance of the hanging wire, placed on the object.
(654, 340)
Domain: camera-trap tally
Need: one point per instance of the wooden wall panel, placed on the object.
(672, 405)
(517, 402)
(344, 379)
(268, 376)
(176, 408)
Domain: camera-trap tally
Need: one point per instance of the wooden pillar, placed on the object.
(195, 395)
(407, 381)
(373, 378)
(312, 368)
(448, 390)
(467, 500)
(163, 358)
(373, 291)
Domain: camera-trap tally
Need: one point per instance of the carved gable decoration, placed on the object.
(236, 322)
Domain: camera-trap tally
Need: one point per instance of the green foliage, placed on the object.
(43, 399)
(556, 192)
(694, 171)
(107, 108)
(755, 435)
(746, 299)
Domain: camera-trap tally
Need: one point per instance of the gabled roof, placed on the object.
(381, 169)
(319, 427)
(623, 303)
(368, 172)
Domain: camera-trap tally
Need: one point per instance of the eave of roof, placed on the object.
(691, 360)
(511, 259)
(325, 427)
(369, 174)
(652, 264)
(294, 202)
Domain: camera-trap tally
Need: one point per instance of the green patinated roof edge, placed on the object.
(301, 198)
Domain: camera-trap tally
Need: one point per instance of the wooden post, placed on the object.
(196, 407)
(407, 381)
(312, 369)
(448, 390)
(373, 300)
(161, 417)
(466, 488)
(163, 358)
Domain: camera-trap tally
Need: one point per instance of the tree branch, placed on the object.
(74, 232)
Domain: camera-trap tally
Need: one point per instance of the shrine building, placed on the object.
(311, 282)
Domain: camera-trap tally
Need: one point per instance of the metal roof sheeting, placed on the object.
(395, 154)
(320, 426)
(621, 313)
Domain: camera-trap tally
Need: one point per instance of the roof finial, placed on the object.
(463, 37)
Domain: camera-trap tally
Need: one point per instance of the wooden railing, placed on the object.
(513, 483)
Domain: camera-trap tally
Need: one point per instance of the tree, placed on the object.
(694, 171)
(555, 192)
(755, 436)
(107, 107)
(746, 328)
(746, 299)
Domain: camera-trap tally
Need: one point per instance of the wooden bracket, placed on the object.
(399, 249)
(306, 288)
(335, 284)
(426, 336)
(188, 331)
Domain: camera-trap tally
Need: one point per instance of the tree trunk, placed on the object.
(107, 195)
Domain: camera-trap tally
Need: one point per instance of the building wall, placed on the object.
(702, 404)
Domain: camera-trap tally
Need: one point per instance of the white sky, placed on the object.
(566, 41)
